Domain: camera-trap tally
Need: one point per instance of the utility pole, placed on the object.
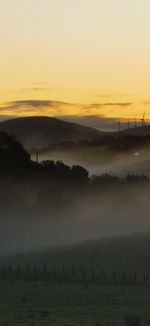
(143, 119)
(119, 126)
(37, 157)
(135, 123)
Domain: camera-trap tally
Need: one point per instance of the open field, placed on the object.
(126, 251)
(57, 304)
(65, 300)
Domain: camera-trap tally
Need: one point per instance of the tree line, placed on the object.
(16, 161)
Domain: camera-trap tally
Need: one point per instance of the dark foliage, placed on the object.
(15, 159)
(13, 156)
(111, 142)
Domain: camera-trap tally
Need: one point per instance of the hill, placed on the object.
(38, 132)
(129, 251)
(43, 133)
(141, 131)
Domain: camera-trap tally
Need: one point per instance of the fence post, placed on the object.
(147, 275)
(135, 276)
(92, 274)
(73, 273)
(4, 273)
(35, 273)
(18, 273)
(63, 273)
(102, 274)
(28, 272)
(83, 274)
(45, 272)
(54, 272)
(104, 277)
(123, 276)
(10, 271)
(114, 276)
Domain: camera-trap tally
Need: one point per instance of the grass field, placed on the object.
(127, 251)
(84, 303)
(69, 304)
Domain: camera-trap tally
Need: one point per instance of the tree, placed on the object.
(13, 156)
(79, 174)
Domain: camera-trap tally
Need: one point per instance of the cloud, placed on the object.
(36, 89)
(97, 111)
(31, 105)
(96, 105)
(93, 115)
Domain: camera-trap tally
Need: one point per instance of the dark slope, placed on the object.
(38, 132)
(129, 251)
(141, 131)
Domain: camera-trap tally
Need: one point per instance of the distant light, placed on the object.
(136, 154)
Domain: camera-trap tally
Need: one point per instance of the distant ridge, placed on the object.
(142, 131)
(39, 132)
(42, 132)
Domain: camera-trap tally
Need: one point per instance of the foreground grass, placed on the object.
(61, 304)
(79, 303)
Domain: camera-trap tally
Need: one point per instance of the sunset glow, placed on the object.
(87, 57)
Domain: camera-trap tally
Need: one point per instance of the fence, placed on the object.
(74, 274)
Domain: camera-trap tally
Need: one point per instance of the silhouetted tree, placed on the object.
(79, 174)
(12, 154)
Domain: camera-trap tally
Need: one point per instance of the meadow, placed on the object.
(38, 304)
(55, 291)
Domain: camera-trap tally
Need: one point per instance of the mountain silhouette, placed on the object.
(42, 132)
(38, 132)
(141, 131)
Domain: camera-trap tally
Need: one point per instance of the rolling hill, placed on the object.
(140, 131)
(128, 250)
(42, 132)
(38, 132)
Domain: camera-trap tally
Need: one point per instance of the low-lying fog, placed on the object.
(96, 161)
(36, 217)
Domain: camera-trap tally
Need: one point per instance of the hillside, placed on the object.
(43, 132)
(130, 251)
(140, 131)
(38, 132)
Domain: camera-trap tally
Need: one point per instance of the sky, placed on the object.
(75, 58)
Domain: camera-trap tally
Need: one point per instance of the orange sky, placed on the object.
(92, 55)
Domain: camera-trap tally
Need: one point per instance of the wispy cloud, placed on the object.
(121, 104)
(31, 106)
(93, 114)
